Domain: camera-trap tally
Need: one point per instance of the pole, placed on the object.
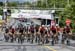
(46, 21)
(46, 7)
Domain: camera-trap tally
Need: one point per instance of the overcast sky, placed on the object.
(18, 0)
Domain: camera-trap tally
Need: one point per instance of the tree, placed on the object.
(1, 3)
(1, 12)
(69, 13)
(39, 3)
(12, 4)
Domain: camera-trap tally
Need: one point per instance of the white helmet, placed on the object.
(57, 25)
(43, 25)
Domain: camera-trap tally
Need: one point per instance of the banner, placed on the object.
(43, 14)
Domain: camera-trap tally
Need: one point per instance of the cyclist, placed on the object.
(32, 32)
(42, 32)
(54, 34)
(6, 35)
(68, 34)
(58, 33)
(37, 36)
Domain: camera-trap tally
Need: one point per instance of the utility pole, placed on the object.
(46, 7)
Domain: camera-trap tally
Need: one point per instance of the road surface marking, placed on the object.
(50, 48)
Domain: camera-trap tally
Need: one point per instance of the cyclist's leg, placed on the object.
(32, 37)
(39, 38)
(52, 40)
(36, 37)
(52, 37)
(28, 37)
(68, 39)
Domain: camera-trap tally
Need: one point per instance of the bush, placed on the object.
(1, 12)
(61, 23)
(73, 30)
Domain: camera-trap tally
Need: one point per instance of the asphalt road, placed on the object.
(26, 46)
(23, 48)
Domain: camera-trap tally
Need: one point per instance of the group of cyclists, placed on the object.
(40, 34)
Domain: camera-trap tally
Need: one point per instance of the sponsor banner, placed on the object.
(43, 14)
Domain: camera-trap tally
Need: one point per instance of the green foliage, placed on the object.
(51, 3)
(27, 3)
(69, 12)
(73, 30)
(1, 3)
(38, 3)
(12, 4)
(61, 23)
(1, 12)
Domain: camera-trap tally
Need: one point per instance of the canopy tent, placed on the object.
(43, 14)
